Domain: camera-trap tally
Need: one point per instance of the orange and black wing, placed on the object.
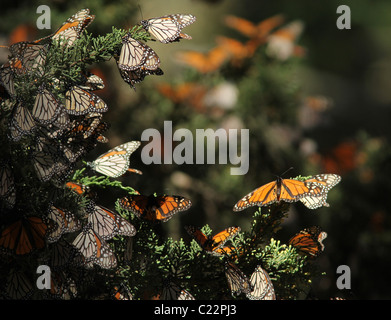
(152, 208)
(309, 241)
(262, 196)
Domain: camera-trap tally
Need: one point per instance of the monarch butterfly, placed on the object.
(73, 27)
(160, 208)
(7, 78)
(288, 190)
(92, 82)
(62, 286)
(80, 189)
(22, 120)
(122, 293)
(7, 185)
(168, 28)
(136, 61)
(18, 286)
(115, 162)
(237, 280)
(24, 235)
(204, 62)
(65, 222)
(327, 181)
(108, 224)
(252, 30)
(262, 286)
(281, 43)
(94, 249)
(79, 101)
(46, 160)
(46, 107)
(309, 241)
(31, 55)
(215, 243)
(171, 291)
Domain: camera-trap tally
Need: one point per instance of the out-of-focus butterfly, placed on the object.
(204, 62)
(159, 208)
(187, 92)
(309, 241)
(215, 244)
(94, 249)
(25, 235)
(252, 30)
(115, 162)
(65, 222)
(237, 280)
(327, 181)
(79, 101)
(288, 190)
(171, 291)
(137, 60)
(261, 286)
(281, 43)
(168, 28)
(108, 224)
(73, 27)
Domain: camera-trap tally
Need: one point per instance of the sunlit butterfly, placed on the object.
(159, 208)
(108, 224)
(24, 235)
(65, 222)
(115, 162)
(237, 281)
(327, 181)
(309, 241)
(73, 27)
(137, 60)
(79, 101)
(261, 286)
(46, 107)
(213, 244)
(168, 28)
(288, 190)
(94, 249)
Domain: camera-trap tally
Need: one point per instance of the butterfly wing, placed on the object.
(237, 280)
(262, 196)
(262, 286)
(168, 28)
(309, 241)
(167, 206)
(327, 181)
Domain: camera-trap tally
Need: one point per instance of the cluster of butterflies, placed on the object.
(137, 60)
(280, 41)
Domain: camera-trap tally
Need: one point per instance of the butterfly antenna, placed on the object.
(141, 12)
(286, 171)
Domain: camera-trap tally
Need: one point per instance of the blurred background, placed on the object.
(313, 97)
